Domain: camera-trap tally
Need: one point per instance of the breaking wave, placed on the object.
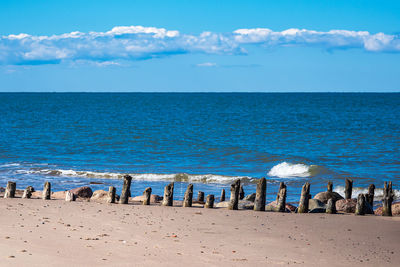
(360, 190)
(290, 170)
(176, 177)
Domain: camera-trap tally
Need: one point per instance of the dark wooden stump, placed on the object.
(28, 192)
(111, 194)
(330, 186)
(234, 201)
(222, 195)
(210, 202)
(241, 192)
(126, 190)
(259, 202)
(200, 196)
(46, 191)
(168, 195)
(282, 199)
(361, 205)
(187, 200)
(69, 196)
(305, 196)
(147, 195)
(370, 195)
(348, 189)
(331, 206)
(10, 190)
(387, 199)
(281, 185)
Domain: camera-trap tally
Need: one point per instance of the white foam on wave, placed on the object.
(378, 193)
(183, 177)
(290, 170)
(9, 165)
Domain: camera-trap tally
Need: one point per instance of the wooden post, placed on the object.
(234, 201)
(349, 188)
(305, 196)
(360, 207)
(147, 195)
(209, 202)
(330, 187)
(370, 195)
(387, 199)
(281, 185)
(331, 206)
(10, 190)
(222, 195)
(28, 192)
(168, 195)
(126, 190)
(200, 196)
(259, 202)
(111, 194)
(69, 196)
(282, 199)
(46, 194)
(187, 200)
(241, 192)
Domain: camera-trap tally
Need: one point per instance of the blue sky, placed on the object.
(266, 46)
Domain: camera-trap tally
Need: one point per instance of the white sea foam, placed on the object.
(290, 170)
(9, 165)
(359, 190)
(177, 177)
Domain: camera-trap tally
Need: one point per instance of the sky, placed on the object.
(199, 46)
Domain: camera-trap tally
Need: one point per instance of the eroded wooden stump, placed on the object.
(241, 192)
(147, 195)
(222, 198)
(361, 205)
(331, 206)
(168, 195)
(370, 195)
(10, 190)
(259, 202)
(281, 185)
(330, 187)
(69, 196)
(188, 198)
(304, 199)
(111, 194)
(28, 192)
(282, 198)
(46, 194)
(348, 189)
(126, 190)
(387, 199)
(234, 201)
(200, 196)
(209, 202)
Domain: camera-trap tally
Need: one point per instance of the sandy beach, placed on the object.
(37, 232)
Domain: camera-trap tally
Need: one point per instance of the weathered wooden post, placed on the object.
(281, 185)
(46, 194)
(200, 196)
(209, 202)
(222, 195)
(361, 205)
(282, 199)
(111, 194)
(304, 199)
(259, 202)
(126, 190)
(331, 206)
(330, 187)
(188, 198)
(10, 190)
(348, 189)
(234, 201)
(387, 199)
(241, 192)
(69, 196)
(168, 195)
(147, 195)
(28, 192)
(370, 195)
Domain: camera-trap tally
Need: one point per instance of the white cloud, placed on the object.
(138, 43)
(207, 64)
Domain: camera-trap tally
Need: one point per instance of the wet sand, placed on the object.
(36, 232)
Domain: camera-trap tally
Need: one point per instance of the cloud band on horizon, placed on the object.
(139, 43)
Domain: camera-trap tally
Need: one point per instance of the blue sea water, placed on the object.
(209, 139)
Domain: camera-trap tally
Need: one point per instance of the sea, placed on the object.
(207, 139)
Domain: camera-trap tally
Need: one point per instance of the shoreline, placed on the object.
(39, 232)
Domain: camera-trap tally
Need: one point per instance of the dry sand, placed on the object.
(36, 232)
